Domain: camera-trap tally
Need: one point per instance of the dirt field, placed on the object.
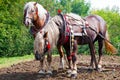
(28, 70)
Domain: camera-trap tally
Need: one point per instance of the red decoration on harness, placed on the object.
(59, 11)
(72, 54)
(66, 39)
(48, 46)
(69, 57)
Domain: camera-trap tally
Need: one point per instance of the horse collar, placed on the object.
(34, 30)
(47, 19)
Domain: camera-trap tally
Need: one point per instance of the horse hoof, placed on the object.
(49, 73)
(99, 66)
(41, 72)
(99, 69)
(74, 76)
(69, 73)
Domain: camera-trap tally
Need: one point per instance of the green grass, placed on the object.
(7, 61)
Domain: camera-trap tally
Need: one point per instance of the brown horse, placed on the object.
(35, 16)
(80, 32)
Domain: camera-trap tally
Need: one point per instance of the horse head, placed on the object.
(34, 14)
(41, 45)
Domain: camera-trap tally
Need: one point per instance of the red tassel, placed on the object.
(69, 57)
(48, 46)
(59, 11)
(72, 54)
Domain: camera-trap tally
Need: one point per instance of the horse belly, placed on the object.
(81, 40)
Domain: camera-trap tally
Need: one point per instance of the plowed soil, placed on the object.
(29, 70)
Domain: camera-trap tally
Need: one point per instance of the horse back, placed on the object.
(97, 23)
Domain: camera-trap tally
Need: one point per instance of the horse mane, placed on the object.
(41, 11)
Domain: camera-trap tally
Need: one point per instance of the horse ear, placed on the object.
(45, 35)
(35, 3)
(36, 8)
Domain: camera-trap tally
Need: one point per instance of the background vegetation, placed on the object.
(15, 39)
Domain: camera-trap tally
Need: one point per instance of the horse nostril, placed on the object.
(37, 56)
(27, 23)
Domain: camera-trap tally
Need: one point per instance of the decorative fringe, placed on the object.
(110, 48)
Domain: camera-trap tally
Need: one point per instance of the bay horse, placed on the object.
(35, 16)
(89, 30)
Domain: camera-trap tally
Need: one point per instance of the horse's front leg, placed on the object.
(49, 60)
(42, 70)
(60, 50)
(69, 58)
(74, 60)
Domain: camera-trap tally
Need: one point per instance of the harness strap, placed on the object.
(47, 18)
(63, 30)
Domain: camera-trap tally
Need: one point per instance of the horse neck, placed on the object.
(53, 31)
(41, 17)
(39, 23)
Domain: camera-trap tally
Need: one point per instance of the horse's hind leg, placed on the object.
(60, 50)
(93, 58)
(100, 43)
(69, 58)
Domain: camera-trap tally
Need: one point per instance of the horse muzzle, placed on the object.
(38, 56)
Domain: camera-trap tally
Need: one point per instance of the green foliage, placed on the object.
(75, 6)
(80, 7)
(14, 38)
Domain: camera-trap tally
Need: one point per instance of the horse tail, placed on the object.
(108, 46)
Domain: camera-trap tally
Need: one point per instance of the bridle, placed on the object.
(35, 29)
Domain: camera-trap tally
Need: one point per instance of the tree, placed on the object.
(80, 7)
